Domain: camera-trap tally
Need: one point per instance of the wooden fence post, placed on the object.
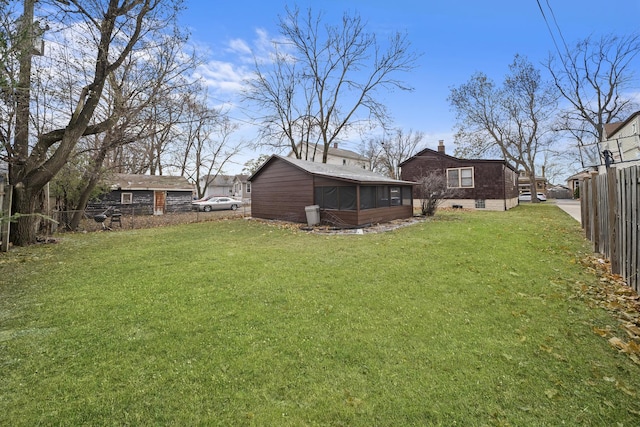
(5, 210)
(614, 254)
(595, 214)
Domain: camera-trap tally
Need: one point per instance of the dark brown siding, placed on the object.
(367, 216)
(510, 176)
(281, 191)
(492, 179)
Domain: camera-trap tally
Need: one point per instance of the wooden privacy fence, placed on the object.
(611, 219)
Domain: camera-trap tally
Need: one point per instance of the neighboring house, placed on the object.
(218, 185)
(145, 194)
(241, 187)
(335, 155)
(524, 183)
(283, 188)
(573, 181)
(622, 141)
(480, 184)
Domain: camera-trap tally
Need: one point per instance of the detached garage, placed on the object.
(282, 188)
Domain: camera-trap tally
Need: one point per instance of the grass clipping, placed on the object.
(615, 296)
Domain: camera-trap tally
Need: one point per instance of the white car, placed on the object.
(217, 203)
(526, 197)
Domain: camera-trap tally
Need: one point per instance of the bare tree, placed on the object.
(513, 121)
(432, 189)
(207, 144)
(117, 28)
(592, 78)
(397, 148)
(324, 79)
(371, 149)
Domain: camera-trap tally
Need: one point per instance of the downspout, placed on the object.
(504, 186)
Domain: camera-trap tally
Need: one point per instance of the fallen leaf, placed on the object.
(634, 329)
(551, 393)
(633, 347)
(601, 332)
(626, 390)
(546, 348)
(618, 343)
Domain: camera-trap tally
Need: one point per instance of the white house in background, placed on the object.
(218, 185)
(335, 155)
(622, 142)
(241, 187)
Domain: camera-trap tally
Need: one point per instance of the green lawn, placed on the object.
(468, 319)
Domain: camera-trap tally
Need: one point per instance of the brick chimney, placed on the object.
(441, 146)
(335, 145)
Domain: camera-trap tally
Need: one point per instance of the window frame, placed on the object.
(460, 178)
(126, 198)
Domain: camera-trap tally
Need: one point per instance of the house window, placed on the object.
(367, 197)
(126, 198)
(341, 198)
(396, 198)
(382, 196)
(347, 198)
(460, 178)
(248, 187)
(406, 196)
(480, 204)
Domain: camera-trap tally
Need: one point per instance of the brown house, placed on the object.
(480, 184)
(283, 188)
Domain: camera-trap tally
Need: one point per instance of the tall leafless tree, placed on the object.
(141, 82)
(116, 27)
(325, 78)
(594, 78)
(513, 121)
(208, 143)
(396, 148)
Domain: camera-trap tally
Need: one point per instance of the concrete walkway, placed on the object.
(572, 207)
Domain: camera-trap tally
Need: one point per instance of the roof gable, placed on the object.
(612, 128)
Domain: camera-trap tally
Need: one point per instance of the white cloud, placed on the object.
(239, 46)
(223, 76)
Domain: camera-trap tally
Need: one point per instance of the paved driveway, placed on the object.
(570, 206)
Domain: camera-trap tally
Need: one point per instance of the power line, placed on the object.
(558, 27)
(544, 16)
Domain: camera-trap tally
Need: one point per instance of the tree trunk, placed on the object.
(78, 212)
(91, 178)
(533, 186)
(23, 232)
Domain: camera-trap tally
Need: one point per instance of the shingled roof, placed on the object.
(149, 182)
(339, 172)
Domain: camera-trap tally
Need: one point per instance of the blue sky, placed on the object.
(455, 38)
